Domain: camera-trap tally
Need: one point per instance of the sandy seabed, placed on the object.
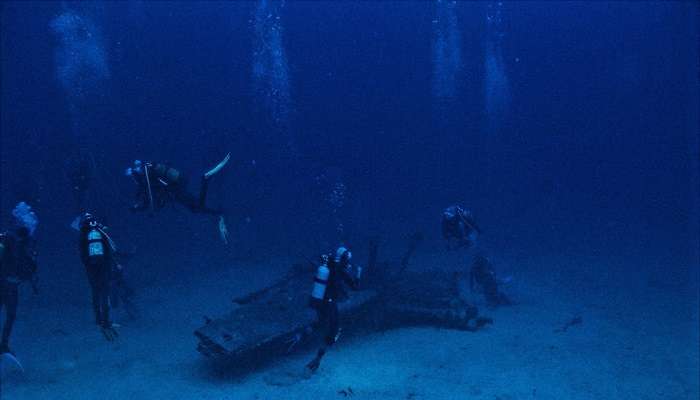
(638, 339)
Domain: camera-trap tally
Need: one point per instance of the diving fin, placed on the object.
(223, 230)
(8, 360)
(109, 332)
(218, 167)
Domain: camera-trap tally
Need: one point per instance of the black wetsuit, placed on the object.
(168, 184)
(327, 311)
(482, 274)
(17, 264)
(99, 271)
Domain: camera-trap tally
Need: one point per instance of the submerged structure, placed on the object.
(272, 321)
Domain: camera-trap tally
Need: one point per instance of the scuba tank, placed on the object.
(167, 175)
(95, 245)
(318, 291)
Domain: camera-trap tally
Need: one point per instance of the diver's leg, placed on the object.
(462, 233)
(503, 300)
(492, 295)
(333, 325)
(182, 196)
(11, 301)
(96, 306)
(104, 293)
(328, 317)
(94, 289)
(201, 203)
(193, 203)
(203, 188)
(321, 322)
(104, 289)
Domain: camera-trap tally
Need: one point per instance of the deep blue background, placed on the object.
(598, 151)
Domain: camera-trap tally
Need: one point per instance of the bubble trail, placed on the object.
(496, 85)
(447, 52)
(270, 71)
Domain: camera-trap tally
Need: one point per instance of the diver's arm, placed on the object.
(141, 200)
(32, 268)
(353, 282)
(83, 248)
(445, 229)
(468, 220)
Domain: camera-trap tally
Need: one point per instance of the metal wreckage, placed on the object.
(270, 322)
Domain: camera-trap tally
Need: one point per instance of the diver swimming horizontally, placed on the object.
(159, 183)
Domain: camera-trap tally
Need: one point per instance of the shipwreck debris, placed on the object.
(262, 324)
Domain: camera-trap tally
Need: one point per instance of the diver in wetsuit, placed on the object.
(483, 276)
(17, 265)
(96, 252)
(459, 225)
(158, 183)
(328, 290)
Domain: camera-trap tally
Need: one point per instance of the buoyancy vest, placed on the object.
(95, 244)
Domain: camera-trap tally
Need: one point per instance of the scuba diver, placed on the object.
(97, 254)
(482, 275)
(158, 183)
(327, 292)
(17, 265)
(459, 224)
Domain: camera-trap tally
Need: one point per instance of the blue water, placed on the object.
(569, 129)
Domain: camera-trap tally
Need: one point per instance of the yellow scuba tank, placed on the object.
(318, 291)
(95, 245)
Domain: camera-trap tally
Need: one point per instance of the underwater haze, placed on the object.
(569, 130)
